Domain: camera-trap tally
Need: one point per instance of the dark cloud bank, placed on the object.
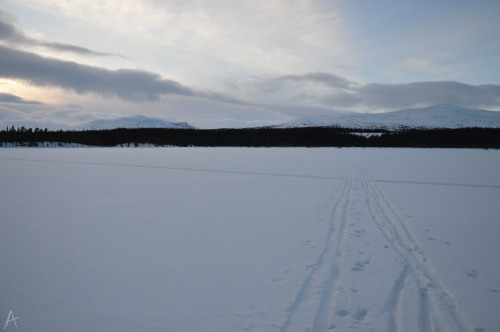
(349, 94)
(12, 35)
(135, 85)
(13, 99)
(125, 83)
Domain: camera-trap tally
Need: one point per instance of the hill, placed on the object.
(132, 122)
(440, 116)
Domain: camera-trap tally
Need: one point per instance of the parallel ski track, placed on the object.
(316, 297)
(434, 297)
(315, 304)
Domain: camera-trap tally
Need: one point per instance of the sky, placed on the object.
(232, 63)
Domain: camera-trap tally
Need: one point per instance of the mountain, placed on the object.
(440, 116)
(136, 121)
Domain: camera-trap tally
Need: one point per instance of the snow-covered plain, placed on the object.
(239, 239)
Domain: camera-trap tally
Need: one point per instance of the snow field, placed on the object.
(250, 239)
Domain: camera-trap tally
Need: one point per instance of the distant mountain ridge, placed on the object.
(129, 122)
(439, 116)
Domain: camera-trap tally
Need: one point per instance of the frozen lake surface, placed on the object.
(240, 239)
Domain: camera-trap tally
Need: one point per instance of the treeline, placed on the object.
(262, 137)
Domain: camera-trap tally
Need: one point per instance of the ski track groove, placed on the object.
(394, 301)
(423, 311)
(327, 301)
(403, 242)
(317, 294)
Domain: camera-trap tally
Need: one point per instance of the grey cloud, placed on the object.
(341, 100)
(8, 98)
(11, 34)
(8, 31)
(491, 87)
(330, 80)
(346, 94)
(73, 49)
(429, 93)
(128, 84)
(325, 78)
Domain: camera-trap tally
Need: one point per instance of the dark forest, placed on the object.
(260, 137)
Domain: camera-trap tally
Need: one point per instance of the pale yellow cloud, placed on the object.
(49, 96)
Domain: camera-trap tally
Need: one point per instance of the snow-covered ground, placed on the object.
(237, 239)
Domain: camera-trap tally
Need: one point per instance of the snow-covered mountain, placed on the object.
(440, 116)
(136, 121)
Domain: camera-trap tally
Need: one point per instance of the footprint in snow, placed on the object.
(472, 274)
(358, 267)
(361, 314)
(342, 312)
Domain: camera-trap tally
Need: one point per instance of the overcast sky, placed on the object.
(232, 63)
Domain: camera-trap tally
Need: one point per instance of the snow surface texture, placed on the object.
(137, 121)
(235, 239)
(440, 116)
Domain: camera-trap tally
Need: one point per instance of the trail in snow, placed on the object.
(445, 311)
(317, 295)
(348, 288)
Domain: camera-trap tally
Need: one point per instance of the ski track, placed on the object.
(317, 294)
(323, 303)
(394, 301)
(431, 286)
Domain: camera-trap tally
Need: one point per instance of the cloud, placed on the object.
(9, 98)
(307, 90)
(428, 93)
(128, 84)
(203, 36)
(346, 94)
(329, 80)
(416, 64)
(12, 35)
